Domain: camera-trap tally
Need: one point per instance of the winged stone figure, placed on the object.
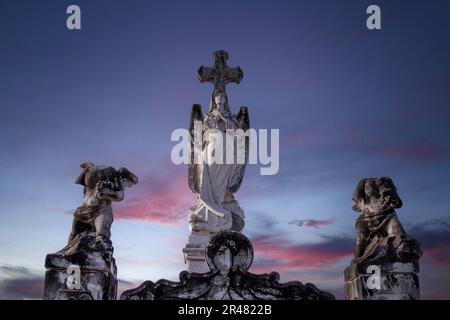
(215, 183)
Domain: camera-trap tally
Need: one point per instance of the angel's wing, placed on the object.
(193, 169)
(243, 122)
(127, 177)
(243, 119)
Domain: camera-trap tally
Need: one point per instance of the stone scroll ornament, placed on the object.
(85, 267)
(229, 255)
(386, 259)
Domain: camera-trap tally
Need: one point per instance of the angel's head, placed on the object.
(220, 98)
(219, 101)
(373, 195)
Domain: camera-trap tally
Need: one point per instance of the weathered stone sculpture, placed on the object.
(218, 255)
(382, 246)
(229, 255)
(85, 267)
(214, 182)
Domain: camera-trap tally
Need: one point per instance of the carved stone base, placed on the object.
(398, 281)
(195, 254)
(79, 272)
(94, 285)
(229, 254)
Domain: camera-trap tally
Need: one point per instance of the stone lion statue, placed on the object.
(380, 235)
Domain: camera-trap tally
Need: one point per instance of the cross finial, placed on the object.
(220, 75)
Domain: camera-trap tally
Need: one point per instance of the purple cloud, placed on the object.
(17, 283)
(310, 223)
(279, 254)
(419, 153)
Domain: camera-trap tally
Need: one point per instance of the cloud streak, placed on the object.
(311, 223)
(434, 235)
(163, 201)
(17, 283)
(284, 255)
(417, 153)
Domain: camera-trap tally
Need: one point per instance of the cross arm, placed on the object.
(206, 74)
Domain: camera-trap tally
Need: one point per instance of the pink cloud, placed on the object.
(284, 255)
(439, 254)
(20, 283)
(434, 235)
(311, 223)
(419, 153)
(159, 201)
(436, 294)
(300, 138)
(149, 262)
(342, 136)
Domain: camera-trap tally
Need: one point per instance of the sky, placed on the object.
(349, 102)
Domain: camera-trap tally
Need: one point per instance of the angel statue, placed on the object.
(102, 185)
(215, 183)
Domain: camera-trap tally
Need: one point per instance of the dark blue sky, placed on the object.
(350, 103)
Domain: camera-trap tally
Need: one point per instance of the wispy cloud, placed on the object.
(20, 283)
(310, 223)
(434, 236)
(59, 210)
(414, 152)
(276, 253)
(308, 261)
(164, 201)
(17, 283)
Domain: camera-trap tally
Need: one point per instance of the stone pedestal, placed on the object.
(80, 273)
(398, 281)
(195, 254)
(386, 263)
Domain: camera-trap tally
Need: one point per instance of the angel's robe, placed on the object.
(218, 181)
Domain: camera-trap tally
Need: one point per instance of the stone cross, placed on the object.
(220, 75)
